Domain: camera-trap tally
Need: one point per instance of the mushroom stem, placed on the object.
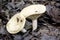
(23, 30)
(34, 24)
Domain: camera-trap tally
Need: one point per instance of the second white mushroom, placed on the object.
(33, 12)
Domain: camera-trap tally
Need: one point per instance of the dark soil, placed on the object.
(48, 23)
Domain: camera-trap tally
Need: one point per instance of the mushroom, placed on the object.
(33, 12)
(16, 24)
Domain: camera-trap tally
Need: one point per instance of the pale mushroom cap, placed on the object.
(16, 24)
(33, 9)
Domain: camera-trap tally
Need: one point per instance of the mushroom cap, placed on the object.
(16, 24)
(33, 10)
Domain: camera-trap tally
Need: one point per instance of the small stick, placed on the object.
(23, 30)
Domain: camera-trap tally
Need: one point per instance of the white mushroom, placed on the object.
(33, 12)
(16, 24)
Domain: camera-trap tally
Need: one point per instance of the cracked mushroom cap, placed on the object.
(15, 24)
(33, 10)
